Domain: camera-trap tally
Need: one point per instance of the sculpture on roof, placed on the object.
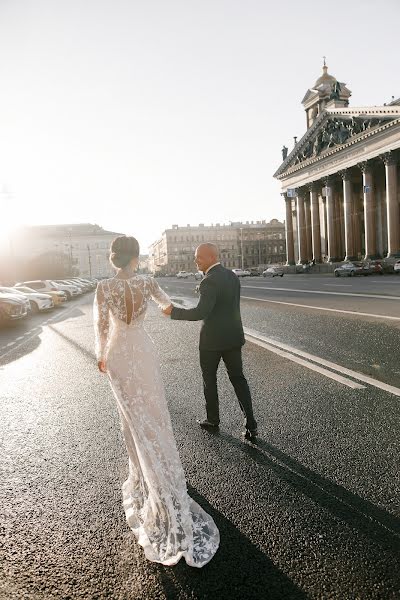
(284, 152)
(335, 93)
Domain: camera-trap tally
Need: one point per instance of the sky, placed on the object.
(137, 115)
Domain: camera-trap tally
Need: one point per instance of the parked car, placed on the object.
(57, 296)
(87, 282)
(12, 307)
(241, 272)
(350, 269)
(184, 274)
(396, 267)
(199, 275)
(46, 285)
(70, 282)
(37, 301)
(376, 266)
(21, 297)
(273, 272)
(255, 272)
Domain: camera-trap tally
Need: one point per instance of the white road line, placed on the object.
(338, 284)
(349, 372)
(305, 363)
(336, 310)
(21, 337)
(276, 289)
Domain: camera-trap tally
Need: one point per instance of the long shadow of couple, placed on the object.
(240, 569)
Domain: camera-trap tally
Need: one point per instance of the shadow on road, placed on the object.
(371, 521)
(87, 353)
(31, 329)
(238, 570)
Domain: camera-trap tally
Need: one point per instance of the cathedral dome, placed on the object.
(325, 77)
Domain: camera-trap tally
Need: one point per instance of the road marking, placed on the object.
(305, 363)
(336, 310)
(21, 337)
(338, 284)
(321, 361)
(276, 289)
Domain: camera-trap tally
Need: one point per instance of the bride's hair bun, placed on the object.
(123, 249)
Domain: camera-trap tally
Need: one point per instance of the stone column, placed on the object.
(289, 231)
(307, 217)
(348, 207)
(315, 224)
(325, 248)
(330, 217)
(369, 211)
(393, 206)
(301, 225)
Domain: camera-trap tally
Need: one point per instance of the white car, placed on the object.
(241, 272)
(57, 296)
(184, 274)
(37, 301)
(396, 267)
(47, 285)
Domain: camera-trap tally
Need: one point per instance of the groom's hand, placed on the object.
(167, 311)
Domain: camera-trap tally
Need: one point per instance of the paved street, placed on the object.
(310, 511)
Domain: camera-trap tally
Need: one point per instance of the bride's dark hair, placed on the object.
(123, 249)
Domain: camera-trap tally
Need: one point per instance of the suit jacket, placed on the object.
(219, 308)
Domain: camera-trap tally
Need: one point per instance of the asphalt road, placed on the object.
(310, 511)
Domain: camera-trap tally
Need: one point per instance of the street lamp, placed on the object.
(241, 247)
(90, 261)
(259, 248)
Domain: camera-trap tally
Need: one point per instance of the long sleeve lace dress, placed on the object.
(166, 521)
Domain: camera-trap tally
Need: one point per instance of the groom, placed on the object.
(221, 335)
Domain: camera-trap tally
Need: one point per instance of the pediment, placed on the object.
(335, 129)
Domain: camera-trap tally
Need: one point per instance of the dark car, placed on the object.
(376, 267)
(11, 308)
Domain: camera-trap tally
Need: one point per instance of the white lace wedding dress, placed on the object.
(166, 521)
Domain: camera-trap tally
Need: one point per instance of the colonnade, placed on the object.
(352, 214)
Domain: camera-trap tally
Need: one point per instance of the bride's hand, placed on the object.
(168, 310)
(102, 366)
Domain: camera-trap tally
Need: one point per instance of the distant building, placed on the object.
(250, 244)
(85, 246)
(341, 181)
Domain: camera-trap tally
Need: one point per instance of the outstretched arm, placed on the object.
(101, 321)
(208, 297)
(158, 295)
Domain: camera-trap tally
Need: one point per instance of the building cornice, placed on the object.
(389, 112)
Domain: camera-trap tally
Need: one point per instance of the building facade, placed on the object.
(85, 247)
(246, 245)
(341, 182)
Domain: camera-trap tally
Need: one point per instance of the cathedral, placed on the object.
(340, 182)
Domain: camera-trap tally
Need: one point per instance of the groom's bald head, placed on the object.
(206, 255)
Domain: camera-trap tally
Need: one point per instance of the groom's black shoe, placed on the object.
(250, 434)
(206, 424)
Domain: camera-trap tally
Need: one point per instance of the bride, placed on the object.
(166, 521)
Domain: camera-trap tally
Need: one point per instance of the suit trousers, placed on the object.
(209, 361)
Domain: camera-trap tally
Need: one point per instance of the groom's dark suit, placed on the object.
(221, 336)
